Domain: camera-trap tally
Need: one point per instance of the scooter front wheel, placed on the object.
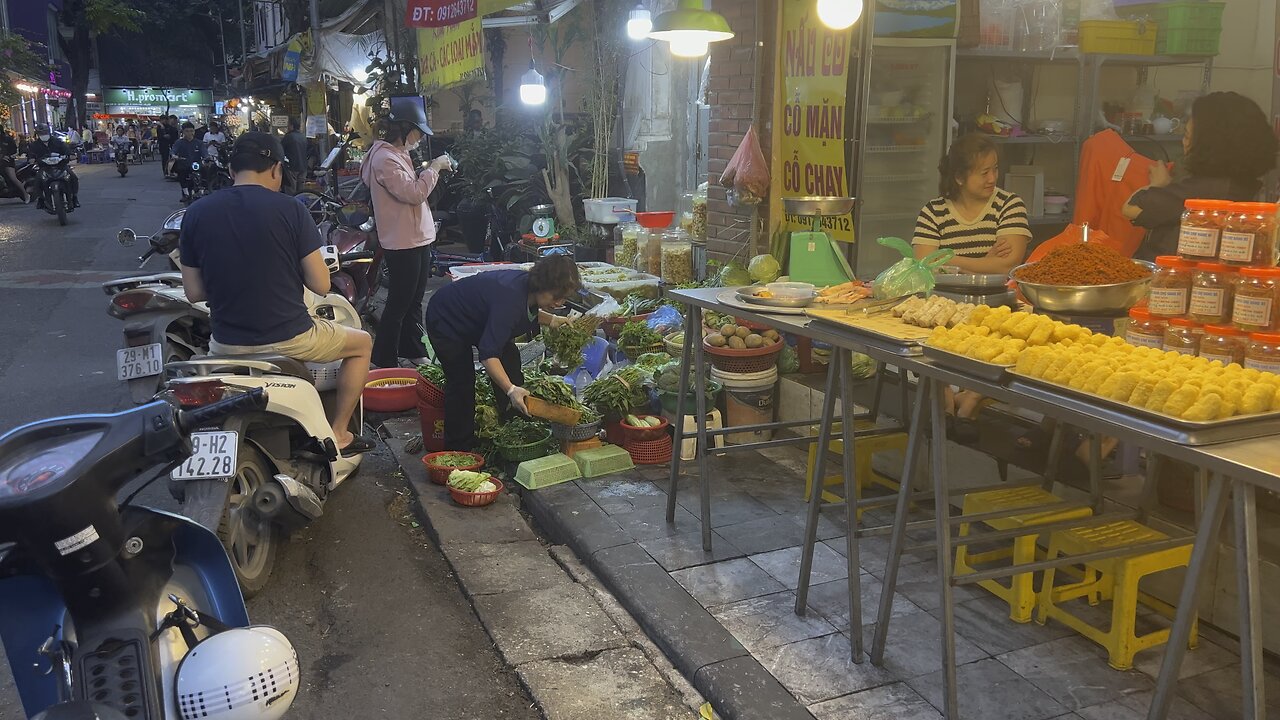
(60, 205)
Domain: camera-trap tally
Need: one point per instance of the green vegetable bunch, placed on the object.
(549, 388)
(565, 343)
(667, 379)
(486, 421)
(471, 481)
(518, 431)
(453, 460)
(619, 391)
(484, 390)
(638, 334)
(640, 305)
(652, 361)
(433, 374)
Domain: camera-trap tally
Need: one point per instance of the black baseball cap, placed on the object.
(261, 144)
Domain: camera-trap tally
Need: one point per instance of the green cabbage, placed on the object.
(734, 275)
(764, 268)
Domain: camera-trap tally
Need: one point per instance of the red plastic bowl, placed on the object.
(639, 434)
(476, 499)
(656, 220)
(391, 398)
(440, 473)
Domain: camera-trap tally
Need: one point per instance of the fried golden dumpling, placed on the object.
(1160, 395)
(1142, 391)
(1205, 408)
(1097, 378)
(1125, 382)
(1257, 398)
(1181, 400)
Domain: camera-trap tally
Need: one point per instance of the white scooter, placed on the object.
(263, 473)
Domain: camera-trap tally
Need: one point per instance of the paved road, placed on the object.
(380, 625)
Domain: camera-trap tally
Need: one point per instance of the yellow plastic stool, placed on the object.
(1020, 593)
(865, 450)
(1115, 579)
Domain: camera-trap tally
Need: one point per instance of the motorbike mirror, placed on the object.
(368, 225)
(126, 237)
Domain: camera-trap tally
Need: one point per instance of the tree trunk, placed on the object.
(556, 178)
(81, 52)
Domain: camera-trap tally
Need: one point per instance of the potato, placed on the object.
(737, 343)
(754, 341)
(716, 340)
(771, 333)
(729, 330)
(743, 332)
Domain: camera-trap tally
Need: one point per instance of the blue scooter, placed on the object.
(121, 611)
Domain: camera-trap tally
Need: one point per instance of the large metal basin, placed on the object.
(1085, 299)
(824, 206)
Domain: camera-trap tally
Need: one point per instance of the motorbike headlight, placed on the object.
(174, 221)
(195, 166)
(51, 160)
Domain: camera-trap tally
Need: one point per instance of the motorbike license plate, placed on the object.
(213, 456)
(139, 362)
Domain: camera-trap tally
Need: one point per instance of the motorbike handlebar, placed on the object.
(355, 256)
(189, 420)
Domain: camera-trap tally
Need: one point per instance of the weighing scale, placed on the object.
(815, 257)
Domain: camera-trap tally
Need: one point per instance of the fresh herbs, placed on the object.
(565, 343)
(433, 374)
(640, 305)
(638, 335)
(517, 432)
(619, 391)
(454, 460)
(549, 388)
(652, 361)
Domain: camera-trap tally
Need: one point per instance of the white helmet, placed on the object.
(239, 674)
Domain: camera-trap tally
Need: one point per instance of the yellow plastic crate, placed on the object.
(1118, 37)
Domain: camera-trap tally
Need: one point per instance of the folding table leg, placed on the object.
(851, 510)
(694, 315)
(897, 539)
(839, 358)
(1054, 457)
(879, 390)
(942, 524)
(1095, 472)
(1251, 669)
(700, 392)
(1176, 646)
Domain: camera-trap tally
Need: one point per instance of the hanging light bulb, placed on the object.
(533, 87)
(639, 23)
(839, 14)
(359, 76)
(689, 47)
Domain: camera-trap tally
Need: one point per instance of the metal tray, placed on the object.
(964, 280)
(972, 366)
(730, 298)
(1173, 429)
(887, 343)
(747, 297)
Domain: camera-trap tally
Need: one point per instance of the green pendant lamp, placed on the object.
(689, 28)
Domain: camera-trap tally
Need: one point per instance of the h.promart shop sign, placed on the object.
(158, 97)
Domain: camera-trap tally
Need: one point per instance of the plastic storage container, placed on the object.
(1118, 37)
(1249, 235)
(1186, 27)
(748, 400)
(1254, 307)
(649, 256)
(1145, 330)
(676, 262)
(1263, 352)
(610, 210)
(1201, 229)
(1212, 288)
(1170, 289)
(1223, 343)
(1182, 336)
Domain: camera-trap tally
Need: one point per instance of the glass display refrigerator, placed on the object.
(906, 128)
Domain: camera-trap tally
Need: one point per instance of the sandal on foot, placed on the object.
(358, 445)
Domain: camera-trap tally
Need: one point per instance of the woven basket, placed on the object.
(528, 451)
(575, 433)
(476, 499)
(674, 349)
(650, 452)
(429, 393)
(748, 360)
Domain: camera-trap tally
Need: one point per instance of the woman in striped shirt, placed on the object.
(985, 226)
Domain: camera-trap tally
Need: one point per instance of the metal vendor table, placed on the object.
(1241, 466)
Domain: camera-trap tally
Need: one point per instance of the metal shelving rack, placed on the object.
(1088, 80)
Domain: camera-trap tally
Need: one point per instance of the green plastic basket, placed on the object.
(547, 471)
(1189, 41)
(1187, 27)
(528, 451)
(601, 461)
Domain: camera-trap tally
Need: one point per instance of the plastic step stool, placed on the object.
(1020, 593)
(689, 446)
(1115, 579)
(865, 450)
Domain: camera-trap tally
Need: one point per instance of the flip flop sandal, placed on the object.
(358, 445)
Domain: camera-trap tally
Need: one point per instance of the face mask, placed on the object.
(44, 138)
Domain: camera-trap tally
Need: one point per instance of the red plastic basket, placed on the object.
(429, 393)
(640, 434)
(390, 390)
(440, 473)
(748, 360)
(650, 452)
(758, 327)
(613, 326)
(476, 499)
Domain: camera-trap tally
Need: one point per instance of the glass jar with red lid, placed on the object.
(1183, 336)
(1144, 329)
(1257, 295)
(1170, 288)
(1201, 228)
(1249, 235)
(1224, 343)
(1263, 352)
(1212, 288)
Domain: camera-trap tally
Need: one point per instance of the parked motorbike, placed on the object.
(55, 186)
(210, 174)
(288, 460)
(350, 228)
(122, 611)
(497, 236)
(26, 173)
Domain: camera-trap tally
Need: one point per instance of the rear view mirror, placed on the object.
(126, 237)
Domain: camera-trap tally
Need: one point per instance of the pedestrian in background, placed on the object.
(168, 136)
(406, 228)
(295, 148)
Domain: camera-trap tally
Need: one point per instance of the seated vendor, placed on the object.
(1228, 146)
(985, 226)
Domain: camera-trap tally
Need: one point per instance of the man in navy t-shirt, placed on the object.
(250, 251)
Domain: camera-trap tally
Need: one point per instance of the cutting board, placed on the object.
(883, 324)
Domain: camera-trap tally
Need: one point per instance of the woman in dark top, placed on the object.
(1228, 145)
(488, 311)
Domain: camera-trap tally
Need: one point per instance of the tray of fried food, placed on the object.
(842, 294)
(1167, 386)
(936, 311)
(992, 339)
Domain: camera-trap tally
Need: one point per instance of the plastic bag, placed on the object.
(747, 174)
(1098, 10)
(666, 320)
(909, 275)
(609, 307)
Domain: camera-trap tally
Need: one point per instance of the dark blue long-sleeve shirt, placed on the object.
(487, 310)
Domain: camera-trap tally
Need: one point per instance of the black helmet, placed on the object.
(410, 109)
(43, 129)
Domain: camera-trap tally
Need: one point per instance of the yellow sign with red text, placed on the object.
(814, 65)
(449, 56)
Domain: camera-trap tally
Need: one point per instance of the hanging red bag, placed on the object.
(747, 176)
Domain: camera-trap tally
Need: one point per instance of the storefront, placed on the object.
(39, 103)
(195, 105)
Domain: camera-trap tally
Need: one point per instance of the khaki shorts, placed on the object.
(321, 344)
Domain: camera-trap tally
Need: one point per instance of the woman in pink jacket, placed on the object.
(405, 228)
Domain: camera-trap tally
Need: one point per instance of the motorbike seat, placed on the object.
(289, 366)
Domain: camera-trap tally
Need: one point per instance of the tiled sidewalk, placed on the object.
(747, 583)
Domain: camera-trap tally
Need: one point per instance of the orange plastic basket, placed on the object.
(650, 452)
(476, 499)
(440, 473)
(747, 360)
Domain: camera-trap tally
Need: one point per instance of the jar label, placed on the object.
(1141, 340)
(1183, 351)
(1224, 359)
(1236, 247)
(1198, 241)
(1167, 301)
(1207, 301)
(1252, 311)
(1262, 366)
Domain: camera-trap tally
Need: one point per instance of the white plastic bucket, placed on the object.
(610, 210)
(748, 400)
